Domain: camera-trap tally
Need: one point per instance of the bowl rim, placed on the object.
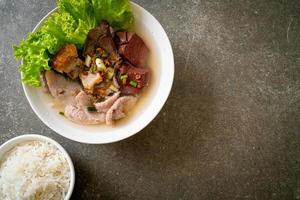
(140, 126)
(9, 144)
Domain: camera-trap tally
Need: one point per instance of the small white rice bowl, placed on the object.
(35, 167)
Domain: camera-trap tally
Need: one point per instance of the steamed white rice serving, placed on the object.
(34, 170)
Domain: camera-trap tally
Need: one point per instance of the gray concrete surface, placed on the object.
(231, 127)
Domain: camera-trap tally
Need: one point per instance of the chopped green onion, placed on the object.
(93, 68)
(91, 109)
(113, 88)
(133, 83)
(100, 65)
(62, 113)
(104, 54)
(88, 60)
(101, 68)
(123, 77)
(110, 73)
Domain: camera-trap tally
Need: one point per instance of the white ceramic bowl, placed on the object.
(161, 63)
(4, 148)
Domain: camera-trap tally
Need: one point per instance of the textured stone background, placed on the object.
(231, 127)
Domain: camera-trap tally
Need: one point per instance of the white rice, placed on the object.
(34, 170)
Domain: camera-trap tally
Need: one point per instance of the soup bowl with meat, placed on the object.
(111, 88)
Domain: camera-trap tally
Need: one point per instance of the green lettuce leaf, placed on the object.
(79, 9)
(66, 28)
(70, 24)
(116, 12)
(35, 54)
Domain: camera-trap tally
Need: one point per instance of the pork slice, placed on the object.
(60, 88)
(120, 108)
(105, 105)
(132, 48)
(45, 87)
(83, 99)
(89, 79)
(67, 61)
(78, 111)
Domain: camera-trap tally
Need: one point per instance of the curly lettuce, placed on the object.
(35, 54)
(116, 12)
(66, 28)
(70, 24)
